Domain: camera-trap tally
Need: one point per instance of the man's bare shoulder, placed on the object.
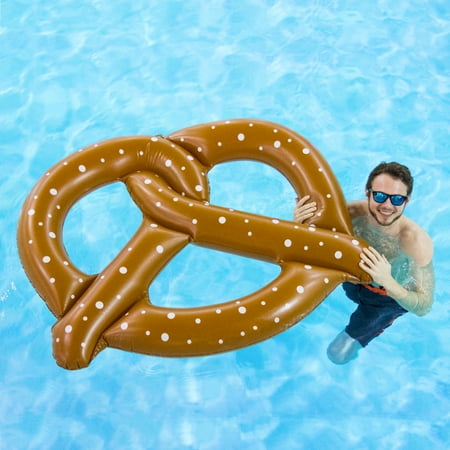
(357, 208)
(416, 242)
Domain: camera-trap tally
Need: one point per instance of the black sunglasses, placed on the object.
(381, 197)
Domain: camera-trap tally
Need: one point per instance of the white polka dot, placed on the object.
(287, 243)
(123, 270)
(198, 320)
(308, 267)
(263, 303)
(305, 248)
(241, 137)
(199, 149)
(85, 318)
(68, 329)
(52, 280)
(275, 221)
(171, 315)
(222, 220)
(121, 151)
(154, 139)
(300, 289)
(220, 341)
(165, 337)
(218, 311)
(326, 280)
(306, 151)
(159, 249)
(99, 305)
(198, 188)
(338, 254)
(242, 309)
(124, 325)
(83, 344)
(355, 242)
(53, 191)
(242, 333)
(31, 212)
(189, 341)
(277, 144)
(255, 327)
(46, 259)
(147, 181)
(219, 144)
(148, 332)
(168, 163)
(82, 168)
(276, 320)
(195, 221)
(52, 235)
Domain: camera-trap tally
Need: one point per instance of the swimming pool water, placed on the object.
(363, 81)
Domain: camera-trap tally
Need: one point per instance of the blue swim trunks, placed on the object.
(375, 312)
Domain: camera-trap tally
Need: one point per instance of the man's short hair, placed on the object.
(395, 170)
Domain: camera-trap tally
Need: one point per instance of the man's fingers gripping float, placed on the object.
(167, 178)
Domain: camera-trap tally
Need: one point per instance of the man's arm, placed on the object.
(417, 300)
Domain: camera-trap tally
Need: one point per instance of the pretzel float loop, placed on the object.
(167, 178)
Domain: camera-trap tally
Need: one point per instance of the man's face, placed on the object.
(386, 213)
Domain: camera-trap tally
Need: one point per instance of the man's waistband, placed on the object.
(378, 290)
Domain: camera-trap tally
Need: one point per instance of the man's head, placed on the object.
(388, 188)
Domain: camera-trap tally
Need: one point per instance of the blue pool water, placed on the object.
(363, 81)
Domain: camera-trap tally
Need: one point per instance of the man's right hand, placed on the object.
(303, 209)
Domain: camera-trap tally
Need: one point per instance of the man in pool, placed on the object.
(399, 260)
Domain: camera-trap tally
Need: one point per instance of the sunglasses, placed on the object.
(381, 197)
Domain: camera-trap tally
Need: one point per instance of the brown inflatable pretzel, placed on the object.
(167, 178)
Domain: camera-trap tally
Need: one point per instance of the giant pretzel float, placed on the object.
(167, 178)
